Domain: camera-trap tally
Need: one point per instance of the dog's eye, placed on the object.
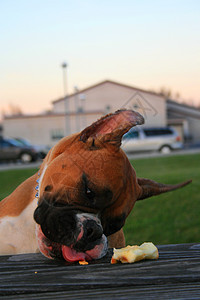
(90, 194)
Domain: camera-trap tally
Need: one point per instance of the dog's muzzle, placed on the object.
(74, 236)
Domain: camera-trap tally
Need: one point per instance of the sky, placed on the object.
(147, 44)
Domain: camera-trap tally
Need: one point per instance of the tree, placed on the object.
(15, 109)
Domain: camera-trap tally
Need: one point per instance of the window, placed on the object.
(4, 144)
(57, 134)
(157, 131)
(131, 135)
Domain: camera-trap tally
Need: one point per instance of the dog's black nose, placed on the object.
(92, 231)
(91, 235)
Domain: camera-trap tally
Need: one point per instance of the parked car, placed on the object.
(40, 149)
(163, 139)
(10, 149)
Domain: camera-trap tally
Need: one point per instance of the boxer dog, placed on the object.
(81, 196)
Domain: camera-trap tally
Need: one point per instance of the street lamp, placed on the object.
(66, 104)
(77, 108)
(64, 66)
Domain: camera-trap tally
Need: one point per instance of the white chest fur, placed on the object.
(17, 234)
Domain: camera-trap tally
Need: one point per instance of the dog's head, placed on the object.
(87, 188)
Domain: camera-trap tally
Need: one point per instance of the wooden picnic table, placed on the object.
(175, 275)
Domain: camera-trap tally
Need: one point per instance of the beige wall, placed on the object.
(194, 127)
(37, 129)
(151, 106)
(41, 129)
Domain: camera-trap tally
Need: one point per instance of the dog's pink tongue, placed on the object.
(72, 255)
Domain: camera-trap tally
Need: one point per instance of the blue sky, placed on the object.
(148, 44)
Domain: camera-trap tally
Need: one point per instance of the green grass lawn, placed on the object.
(169, 218)
(10, 179)
(172, 217)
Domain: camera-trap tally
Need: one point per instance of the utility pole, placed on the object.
(77, 108)
(66, 100)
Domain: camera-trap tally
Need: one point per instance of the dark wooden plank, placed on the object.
(32, 275)
(180, 291)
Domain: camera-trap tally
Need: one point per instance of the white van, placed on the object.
(163, 139)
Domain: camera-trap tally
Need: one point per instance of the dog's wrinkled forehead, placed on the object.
(67, 170)
(73, 187)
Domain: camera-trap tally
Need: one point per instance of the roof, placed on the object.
(112, 82)
(182, 109)
(170, 101)
(51, 115)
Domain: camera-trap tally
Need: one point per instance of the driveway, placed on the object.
(157, 154)
(11, 166)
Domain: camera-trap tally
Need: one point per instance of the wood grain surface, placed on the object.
(175, 275)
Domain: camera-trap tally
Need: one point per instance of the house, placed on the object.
(73, 113)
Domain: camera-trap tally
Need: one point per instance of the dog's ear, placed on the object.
(150, 188)
(114, 217)
(111, 128)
